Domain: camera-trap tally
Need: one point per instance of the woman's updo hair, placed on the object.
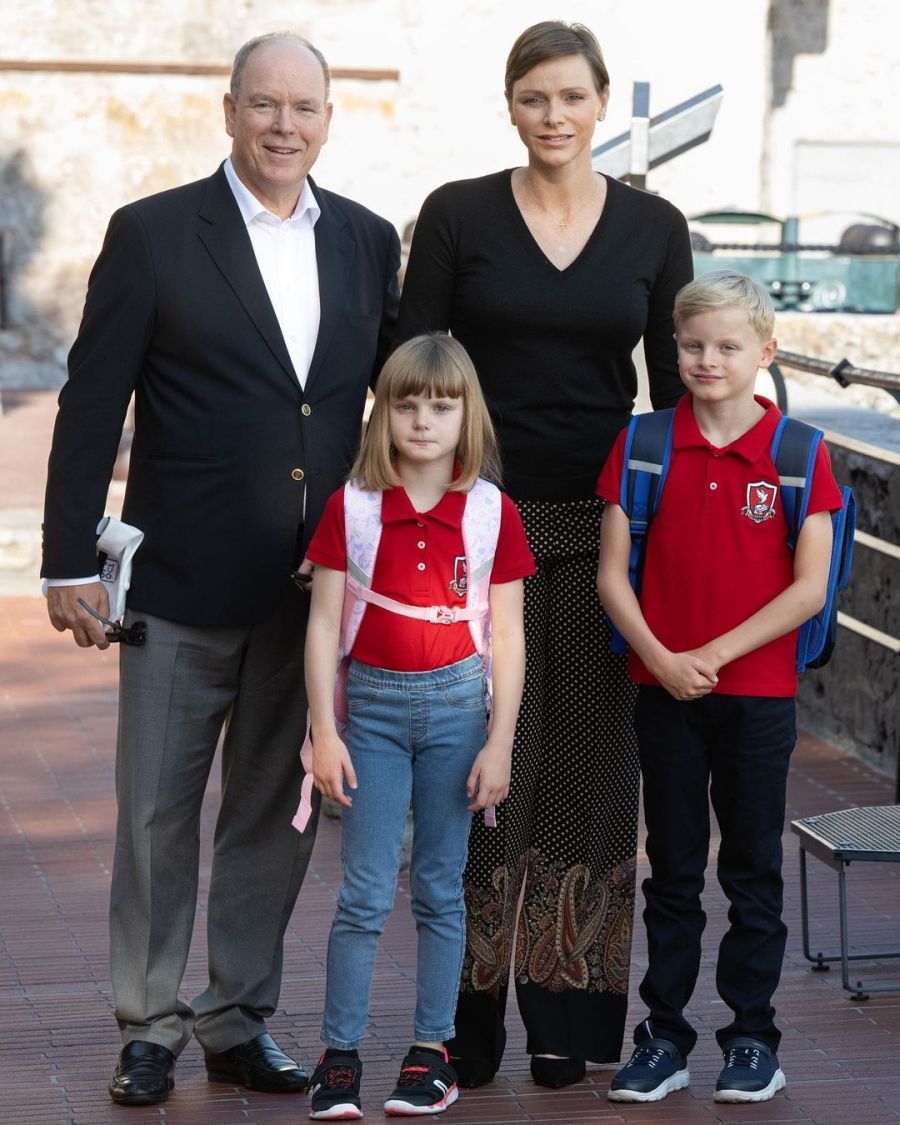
(551, 39)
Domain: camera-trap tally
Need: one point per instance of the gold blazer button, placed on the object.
(297, 474)
(306, 410)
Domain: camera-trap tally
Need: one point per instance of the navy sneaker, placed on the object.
(751, 1072)
(427, 1084)
(656, 1069)
(334, 1087)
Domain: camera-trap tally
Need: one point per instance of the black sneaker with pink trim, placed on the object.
(334, 1088)
(427, 1084)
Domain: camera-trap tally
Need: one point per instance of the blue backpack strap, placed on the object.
(648, 450)
(819, 634)
(794, 449)
(847, 526)
(794, 446)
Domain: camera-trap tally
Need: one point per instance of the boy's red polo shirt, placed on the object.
(714, 553)
(420, 559)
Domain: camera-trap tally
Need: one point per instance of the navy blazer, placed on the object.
(226, 442)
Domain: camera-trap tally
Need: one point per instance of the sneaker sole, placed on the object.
(346, 1111)
(778, 1083)
(394, 1107)
(677, 1081)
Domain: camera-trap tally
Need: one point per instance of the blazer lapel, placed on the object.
(334, 258)
(225, 236)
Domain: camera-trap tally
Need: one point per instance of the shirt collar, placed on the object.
(749, 446)
(251, 208)
(396, 506)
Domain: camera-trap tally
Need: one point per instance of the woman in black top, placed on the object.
(550, 274)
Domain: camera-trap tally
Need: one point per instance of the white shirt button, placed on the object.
(421, 544)
(713, 485)
(421, 566)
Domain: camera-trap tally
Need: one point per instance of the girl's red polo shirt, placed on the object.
(420, 561)
(717, 549)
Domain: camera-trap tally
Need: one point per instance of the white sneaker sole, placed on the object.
(394, 1107)
(678, 1081)
(777, 1083)
(345, 1111)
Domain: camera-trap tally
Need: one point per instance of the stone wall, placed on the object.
(832, 138)
(853, 700)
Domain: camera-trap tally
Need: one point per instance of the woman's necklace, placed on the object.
(563, 223)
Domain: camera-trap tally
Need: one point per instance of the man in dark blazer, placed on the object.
(247, 313)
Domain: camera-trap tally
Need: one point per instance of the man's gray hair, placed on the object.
(244, 53)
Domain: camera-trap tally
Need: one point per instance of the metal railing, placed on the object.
(844, 372)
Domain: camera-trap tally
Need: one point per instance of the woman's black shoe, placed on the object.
(556, 1072)
(471, 1073)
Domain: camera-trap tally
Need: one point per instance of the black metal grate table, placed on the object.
(866, 835)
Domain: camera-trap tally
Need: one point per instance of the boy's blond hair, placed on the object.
(437, 365)
(725, 289)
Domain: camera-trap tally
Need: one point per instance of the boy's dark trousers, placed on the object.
(735, 749)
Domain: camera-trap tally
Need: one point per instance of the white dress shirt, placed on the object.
(285, 252)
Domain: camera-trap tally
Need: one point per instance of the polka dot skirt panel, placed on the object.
(569, 825)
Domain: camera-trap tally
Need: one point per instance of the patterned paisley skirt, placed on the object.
(557, 873)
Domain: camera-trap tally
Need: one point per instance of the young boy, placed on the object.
(712, 645)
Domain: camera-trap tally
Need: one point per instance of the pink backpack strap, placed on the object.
(437, 614)
(480, 531)
(304, 809)
(362, 528)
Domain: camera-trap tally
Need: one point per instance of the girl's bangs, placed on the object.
(443, 383)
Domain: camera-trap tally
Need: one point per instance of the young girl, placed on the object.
(419, 564)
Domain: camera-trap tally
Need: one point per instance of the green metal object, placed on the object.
(803, 277)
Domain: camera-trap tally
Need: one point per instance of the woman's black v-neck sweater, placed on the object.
(552, 347)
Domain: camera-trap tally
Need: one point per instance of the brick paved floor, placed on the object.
(58, 1038)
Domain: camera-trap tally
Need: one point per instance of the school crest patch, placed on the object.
(459, 584)
(760, 504)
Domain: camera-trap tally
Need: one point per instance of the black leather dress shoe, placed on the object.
(144, 1074)
(258, 1064)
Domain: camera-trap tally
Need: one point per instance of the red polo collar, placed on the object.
(397, 507)
(749, 446)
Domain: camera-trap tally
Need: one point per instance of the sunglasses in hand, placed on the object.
(135, 634)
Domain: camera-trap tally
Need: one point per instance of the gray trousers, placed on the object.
(177, 693)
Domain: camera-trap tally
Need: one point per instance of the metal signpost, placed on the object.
(652, 141)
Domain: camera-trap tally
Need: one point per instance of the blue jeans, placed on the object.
(412, 735)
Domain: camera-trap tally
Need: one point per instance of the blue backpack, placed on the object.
(648, 451)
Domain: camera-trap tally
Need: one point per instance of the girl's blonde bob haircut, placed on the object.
(438, 366)
(725, 289)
